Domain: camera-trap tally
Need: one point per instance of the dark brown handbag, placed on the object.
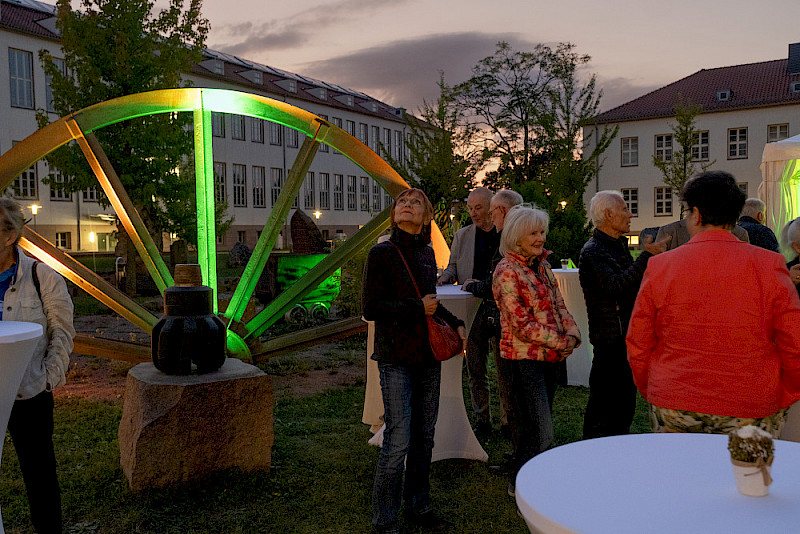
(444, 340)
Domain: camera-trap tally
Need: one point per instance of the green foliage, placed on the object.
(441, 156)
(529, 107)
(348, 302)
(682, 166)
(114, 48)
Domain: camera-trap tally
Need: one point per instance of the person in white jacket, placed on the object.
(31, 422)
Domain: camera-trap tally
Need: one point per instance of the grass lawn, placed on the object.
(320, 480)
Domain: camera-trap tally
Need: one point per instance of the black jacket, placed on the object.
(789, 266)
(610, 279)
(389, 299)
(488, 311)
(760, 235)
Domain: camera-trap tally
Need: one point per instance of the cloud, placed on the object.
(282, 34)
(404, 73)
(618, 91)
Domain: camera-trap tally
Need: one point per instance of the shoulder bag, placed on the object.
(444, 340)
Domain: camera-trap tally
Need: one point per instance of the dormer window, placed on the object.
(257, 77)
(219, 67)
(795, 87)
(724, 95)
(292, 86)
(287, 85)
(319, 92)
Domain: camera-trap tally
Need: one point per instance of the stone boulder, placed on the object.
(177, 428)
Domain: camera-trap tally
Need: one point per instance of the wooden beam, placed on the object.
(111, 349)
(308, 337)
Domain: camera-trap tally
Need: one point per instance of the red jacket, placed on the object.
(716, 329)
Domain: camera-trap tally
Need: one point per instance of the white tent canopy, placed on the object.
(780, 182)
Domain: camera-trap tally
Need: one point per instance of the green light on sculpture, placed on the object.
(204, 175)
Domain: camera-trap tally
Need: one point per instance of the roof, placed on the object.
(37, 18)
(753, 85)
(28, 16)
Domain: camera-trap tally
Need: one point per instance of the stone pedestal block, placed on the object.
(176, 428)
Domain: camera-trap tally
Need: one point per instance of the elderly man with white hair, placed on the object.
(610, 279)
(752, 219)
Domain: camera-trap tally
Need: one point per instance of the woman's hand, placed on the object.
(462, 333)
(794, 273)
(572, 341)
(430, 302)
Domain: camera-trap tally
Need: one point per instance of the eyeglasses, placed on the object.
(406, 201)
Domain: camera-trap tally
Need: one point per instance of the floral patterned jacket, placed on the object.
(536, 323)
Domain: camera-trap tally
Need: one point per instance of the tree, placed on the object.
(441, 156)
(114, 48)
(680, 165)
(531, 108)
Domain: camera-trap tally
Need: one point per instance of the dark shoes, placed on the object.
(390, 529)
(428, 521)
(483, 430)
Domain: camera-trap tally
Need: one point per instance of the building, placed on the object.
(252, 157)
(743, 107)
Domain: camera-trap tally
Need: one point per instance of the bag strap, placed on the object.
(407, 268)
(35, 274)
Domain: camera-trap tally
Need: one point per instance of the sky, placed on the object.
(393, 50)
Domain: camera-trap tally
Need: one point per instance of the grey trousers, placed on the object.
(479, 345)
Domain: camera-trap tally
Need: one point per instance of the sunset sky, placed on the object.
(393, 49)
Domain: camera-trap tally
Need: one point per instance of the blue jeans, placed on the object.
(533, 386)
(411, 404)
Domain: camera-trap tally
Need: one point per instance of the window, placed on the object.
(57, 194)
(64, 240)
(631, 197)
(664, 147)
(292, 138)
(218, 124)
(351, 127)
(364, 193)
(322, 146)
(241, 236)
(387, 141)
(24, 185)
(376, 196)
(351, 192)
(387, 199)
(59, 63)
(259, 187)
(90, 194)
(724, 95)
(743, 187)
(221, 239)
(338, 192)
(276, 176)
(363, 133)
(376, 139)
(398, 146)
(239, 185)
(324, 191)
(663, 201)
(257, 130)
(630, 151)
(20, 75)
(700, 146)
(237, 127)
(308, 192)
(777, 132)
(737, 143)
(275, 133)
(219, 182)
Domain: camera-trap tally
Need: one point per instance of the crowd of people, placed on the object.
(705, 323)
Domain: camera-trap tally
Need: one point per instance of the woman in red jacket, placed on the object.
(714, 341)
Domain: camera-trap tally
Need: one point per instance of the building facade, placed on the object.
(252, 157)
(743, 108)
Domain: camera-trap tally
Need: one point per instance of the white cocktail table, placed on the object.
(17, 342)
(654, 483)
(579, 363)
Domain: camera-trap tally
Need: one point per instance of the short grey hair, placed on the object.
(602, 201)
(508, 198)
(521, 221)
(752, 207)
(12, 216)
(790, 234)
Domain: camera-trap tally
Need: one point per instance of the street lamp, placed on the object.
(34, 211)
(563, 204)
(317, 214)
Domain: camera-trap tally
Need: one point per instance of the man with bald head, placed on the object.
(470, 257)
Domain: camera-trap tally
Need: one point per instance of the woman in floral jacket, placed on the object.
(538, 331)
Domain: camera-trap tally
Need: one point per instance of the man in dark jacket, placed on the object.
(752, 220)
(610, 279)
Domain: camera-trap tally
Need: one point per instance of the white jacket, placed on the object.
(54, 312)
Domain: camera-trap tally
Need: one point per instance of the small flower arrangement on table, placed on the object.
(752, 451)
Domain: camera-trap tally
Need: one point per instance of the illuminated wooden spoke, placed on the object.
(201, 102)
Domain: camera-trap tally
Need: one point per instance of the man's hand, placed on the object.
(794, 273)
(658, 247)
(462, 333)
(430, 302)
(467, 282)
